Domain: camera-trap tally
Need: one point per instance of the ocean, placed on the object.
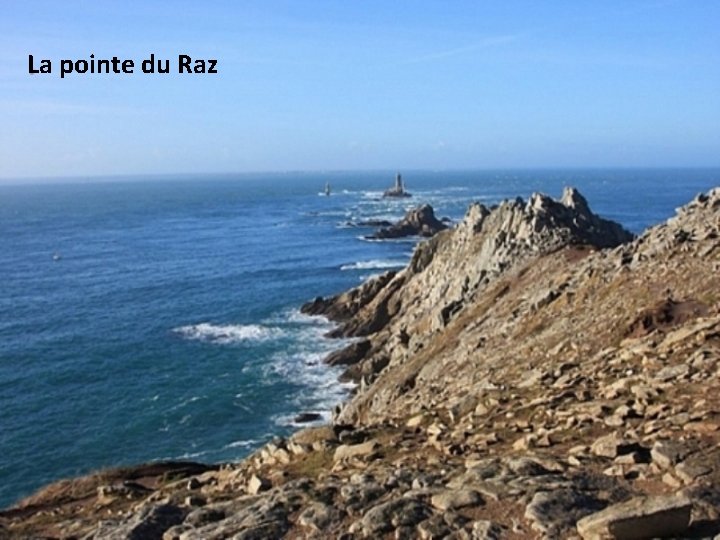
(157, 318)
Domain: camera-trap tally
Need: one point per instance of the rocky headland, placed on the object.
(534, 372)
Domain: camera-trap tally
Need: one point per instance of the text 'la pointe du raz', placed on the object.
(151, 65)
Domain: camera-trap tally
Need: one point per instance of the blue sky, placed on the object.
(311, 85)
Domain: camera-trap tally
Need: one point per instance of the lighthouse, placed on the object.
(398, 190)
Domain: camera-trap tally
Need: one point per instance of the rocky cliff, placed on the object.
(534, 372)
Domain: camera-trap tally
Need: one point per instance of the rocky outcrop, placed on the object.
(447, 273)
(348, 304)
(533, 373)
(639, 518)
(420, 221)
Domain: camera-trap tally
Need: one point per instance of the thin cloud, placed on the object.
(486, 43)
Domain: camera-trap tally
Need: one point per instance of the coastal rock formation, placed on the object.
(535, 372)
(420, 221)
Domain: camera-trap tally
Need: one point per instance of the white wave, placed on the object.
(188, 455)
(294, 316)
(303, 365)
(229, 333)
(243, 444)
(403, 240)
(187, 401)
(298, 317)
(374, 264)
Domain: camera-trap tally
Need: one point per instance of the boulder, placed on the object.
(667, 453)
(345, 451)
(555, 512)
(318, 516)
(392, 514)
(349, 355)
(453, 499)
(486, 530)
(639, 518)
(613, 445)
(256, 484)
(307, 417)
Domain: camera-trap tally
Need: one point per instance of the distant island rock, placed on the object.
(420, 221)
(398, 190)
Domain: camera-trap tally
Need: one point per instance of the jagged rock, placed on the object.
(486, 530)
(307, 417)
(613, 445)
(108, 494)
(555, 512)
(256, 485)
(671, 373)
(318, 516)
(357, 496)
(419, 221)
(348, 304)
(389, 515)
(667, 453)
(149, 523)
(432, 528)
(525, 466)
(350, 355)
(453, 499)
(639, 518)
(203, 516)
(346, 451)
(689, 471)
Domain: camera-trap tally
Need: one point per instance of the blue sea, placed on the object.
(157, 318)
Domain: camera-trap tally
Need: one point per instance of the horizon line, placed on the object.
(277, 172)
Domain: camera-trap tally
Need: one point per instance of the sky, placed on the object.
(347, 85)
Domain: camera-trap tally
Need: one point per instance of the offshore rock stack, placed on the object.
(398, 190)
(420, 221)
(534, 372)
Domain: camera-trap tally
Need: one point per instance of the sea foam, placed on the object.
(229, 333)
(374, 264)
